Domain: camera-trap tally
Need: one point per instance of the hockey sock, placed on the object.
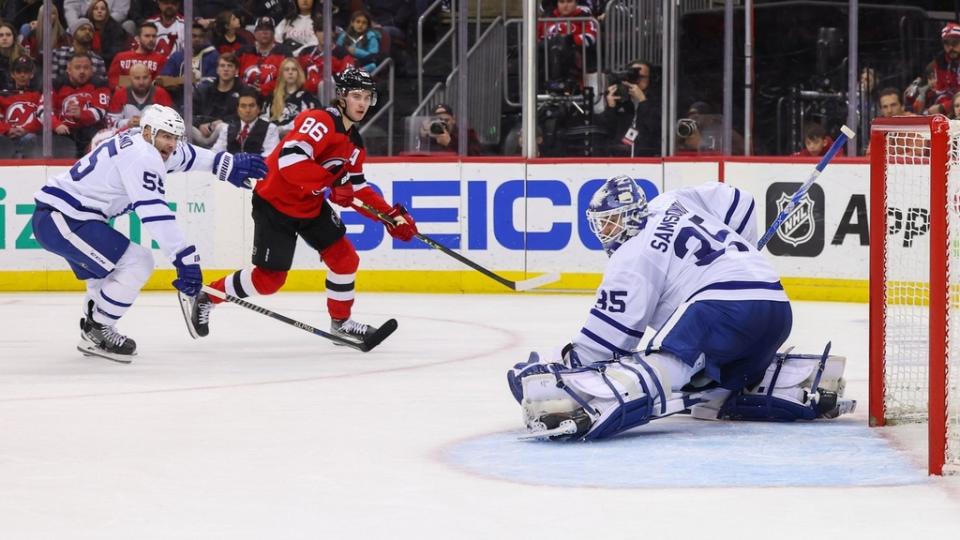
(249, 282)
(342, 260)
(117, 291)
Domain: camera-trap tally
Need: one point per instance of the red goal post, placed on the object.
(914, 277)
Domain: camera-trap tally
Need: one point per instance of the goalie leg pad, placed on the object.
(616, 395)
(793, 388)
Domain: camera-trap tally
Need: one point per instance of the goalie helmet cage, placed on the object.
(914, 275)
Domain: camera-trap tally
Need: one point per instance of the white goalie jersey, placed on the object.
(696, 244)
(126, 173)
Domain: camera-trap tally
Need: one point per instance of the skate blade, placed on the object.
(186, 306)
(538, 431)
(91, 349)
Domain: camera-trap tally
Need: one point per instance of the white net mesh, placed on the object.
(907, 290)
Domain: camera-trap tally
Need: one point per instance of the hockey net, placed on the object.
(915, 280)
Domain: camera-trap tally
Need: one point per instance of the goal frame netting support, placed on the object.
(938, 128)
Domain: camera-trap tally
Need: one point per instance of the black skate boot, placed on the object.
(104, 341)
(572, 425)
(351, 330)
(196, 313)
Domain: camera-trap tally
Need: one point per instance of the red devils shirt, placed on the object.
(92, 97)
(125, 60)
(258, 69)
(21, 109)
(316, 154)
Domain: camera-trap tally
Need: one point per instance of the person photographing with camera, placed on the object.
(632, 115)
(439, 133)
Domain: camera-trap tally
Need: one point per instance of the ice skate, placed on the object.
(196, 313)
(351, 330)
(104, 341)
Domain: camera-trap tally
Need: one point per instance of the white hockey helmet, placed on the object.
(162, 118)
(617, 212)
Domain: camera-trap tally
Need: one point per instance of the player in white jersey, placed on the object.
(684, 265)
(127, 173)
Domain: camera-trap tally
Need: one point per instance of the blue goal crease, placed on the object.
(680, 453)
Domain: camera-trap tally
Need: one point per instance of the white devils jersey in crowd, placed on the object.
(696, 244)
(125, 173)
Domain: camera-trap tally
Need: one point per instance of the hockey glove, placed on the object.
(238, 168)
(342, 195)
(403, 227)
(189, 276)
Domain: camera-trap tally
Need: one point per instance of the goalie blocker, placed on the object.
(564, 400)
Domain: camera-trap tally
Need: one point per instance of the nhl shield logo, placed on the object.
(802, 234)
(800, 227)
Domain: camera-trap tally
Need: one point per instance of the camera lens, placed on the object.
(437, 127)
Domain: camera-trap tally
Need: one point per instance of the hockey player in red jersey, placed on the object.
(319, 161)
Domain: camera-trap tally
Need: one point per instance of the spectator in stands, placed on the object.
(20, 12)
(79, 103)
(272, 9)
(247, 131)
(947, 68)
(816, 142)
(890, 103)
(439, 134)
(144, 53)
(921, 93)
(170, 28)
(109, 37)
(396, 17)
(955, 108)
(10, 50)
(82, 41)
(229, 34)
(127, 103)
(33, 43)
(20, 102)
(632, 114)
(289, 97)
(701, 132)
(204, 62)
(312, 58)
(118, 10)
(141, 10)
(260, 62)
(362, 42)
(296, 30)
(563, 42)
(215, 100)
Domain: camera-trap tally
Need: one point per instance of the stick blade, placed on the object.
(538, 281)
(377, 337)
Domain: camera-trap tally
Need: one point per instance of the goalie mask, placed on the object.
(617, 212)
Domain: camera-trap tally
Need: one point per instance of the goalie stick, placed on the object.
(845, 134)
(523, 285)
(366, 345)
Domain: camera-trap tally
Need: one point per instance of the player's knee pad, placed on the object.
(615, 396)
(268, 281)
(134, 267)
(341, 257)
(794, 387)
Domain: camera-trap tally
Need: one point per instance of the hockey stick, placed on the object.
(845, 134)
(524, 285)
(366, 345)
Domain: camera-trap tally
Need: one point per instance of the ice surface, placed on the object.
(263, 431)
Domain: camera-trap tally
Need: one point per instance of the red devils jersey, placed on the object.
(92, 98)
(21, 109)
(316, 154)
(260, 69)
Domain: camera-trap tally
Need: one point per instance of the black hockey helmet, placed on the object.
(356, 79)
